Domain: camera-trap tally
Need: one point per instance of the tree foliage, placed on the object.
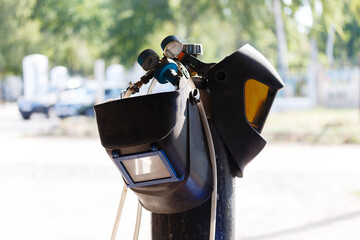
(132, 22)
(347, 30)
(75, 32)
(18, 36)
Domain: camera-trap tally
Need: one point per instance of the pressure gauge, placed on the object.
(148, 59)
(171, 46)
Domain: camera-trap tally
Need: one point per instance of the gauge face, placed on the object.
(148, 59)
(173, 49)
(150, 62)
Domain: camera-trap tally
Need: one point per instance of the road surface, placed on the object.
(67, 188)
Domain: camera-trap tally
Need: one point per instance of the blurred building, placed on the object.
(339, 87)
(11, 88)
(322, 86)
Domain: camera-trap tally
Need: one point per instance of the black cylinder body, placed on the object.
(195, 223)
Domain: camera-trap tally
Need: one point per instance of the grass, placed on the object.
(78, 127)
(315, 126)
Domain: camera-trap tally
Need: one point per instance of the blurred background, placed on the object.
(59, 58)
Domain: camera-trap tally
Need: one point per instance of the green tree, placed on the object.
(74, 31)
(338, 17)
(133, 23)
(250, 21)
(347, 39)
(18, 36)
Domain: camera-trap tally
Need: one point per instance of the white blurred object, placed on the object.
(115, 74)
(35, 74)
(58, 77)
(99, 73)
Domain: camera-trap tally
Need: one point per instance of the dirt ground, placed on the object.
(67, 188)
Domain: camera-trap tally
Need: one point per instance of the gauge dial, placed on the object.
(150, 62)
(173, 49)
(172, 46)
(148, 59)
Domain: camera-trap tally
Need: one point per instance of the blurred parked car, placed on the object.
(42, 102)
(74, 102)
(80, 101)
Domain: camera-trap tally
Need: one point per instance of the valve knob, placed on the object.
(194, 49)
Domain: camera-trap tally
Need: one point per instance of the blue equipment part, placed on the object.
(167, 73)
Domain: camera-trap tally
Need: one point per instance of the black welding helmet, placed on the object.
(243, 87)
(157, 142)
